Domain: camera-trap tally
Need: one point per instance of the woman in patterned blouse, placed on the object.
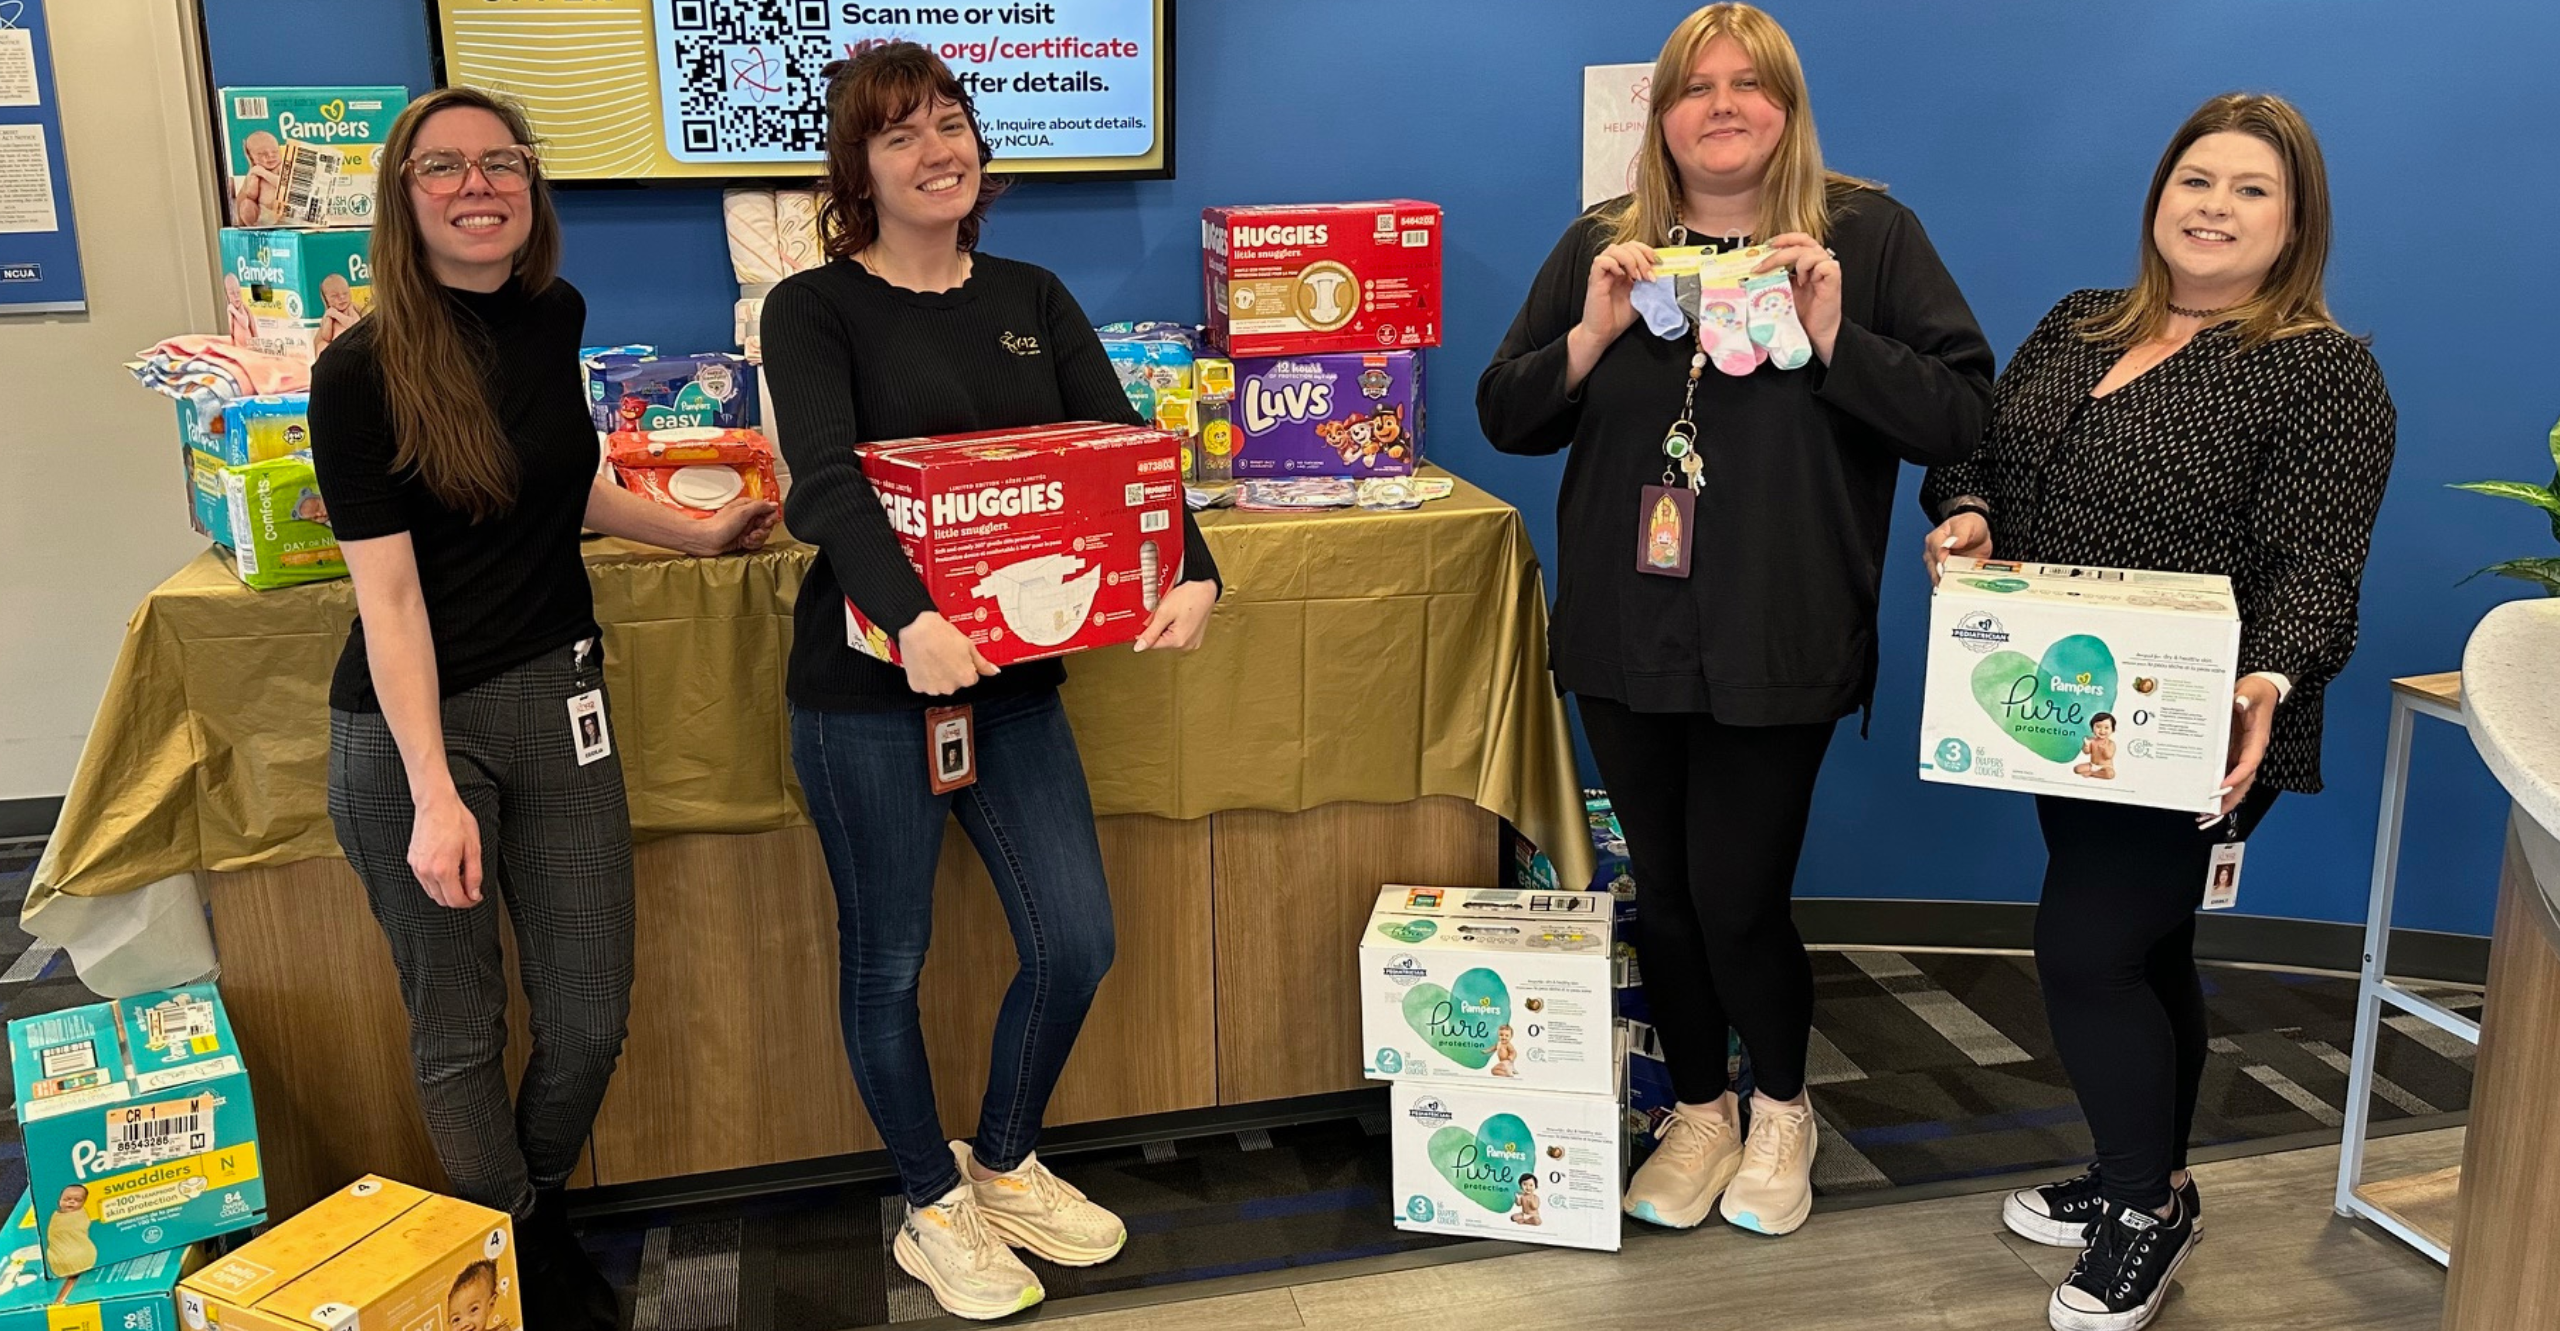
(2212, 418)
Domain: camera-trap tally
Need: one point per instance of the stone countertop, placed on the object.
(2511, 703)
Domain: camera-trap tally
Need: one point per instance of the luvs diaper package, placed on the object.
(1343, 414)
(137, 1294)
(2095, 683)
(1036, 542)
(1499, 1162)
(376, 1253)
(696, 472)
(279, 527)
(1299, 279)
(140, 1133)
(711, 389)
(306, 157)
(294, 292)
(1489, 986)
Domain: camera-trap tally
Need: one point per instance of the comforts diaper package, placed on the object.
(1335, 415)
(374, 1254)
(1498, 1162)
(1306, 278)
(294, 292)
(696, 472)
(140, 1133)
(306, 157)
(279, 527)
(2096, 683)
(1035, 542)
(1489, 985)
(132, 1295)
(712, 389)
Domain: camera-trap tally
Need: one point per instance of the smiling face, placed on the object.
(2224, 218)
(468, 1308)
(2104, 727)
(924, 168)
(1723, 129)
(471, 236)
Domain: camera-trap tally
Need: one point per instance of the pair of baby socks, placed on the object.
(1741, 324)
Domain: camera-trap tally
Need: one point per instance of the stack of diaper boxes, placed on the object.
(302, 169)
(253, 491)
(1490, 1012)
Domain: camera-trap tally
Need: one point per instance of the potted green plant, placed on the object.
(2544, 572)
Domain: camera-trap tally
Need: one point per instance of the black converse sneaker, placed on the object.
(2057, 1215)
(2123, 1278)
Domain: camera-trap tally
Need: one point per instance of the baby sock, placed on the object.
(1773, 319)
(1659, 302)
(1722, 333)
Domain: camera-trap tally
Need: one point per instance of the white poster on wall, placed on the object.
(1613, 115)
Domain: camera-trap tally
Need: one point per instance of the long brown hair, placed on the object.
(434, 371)
(1794, 192)
(2290, 301)
(866, 95)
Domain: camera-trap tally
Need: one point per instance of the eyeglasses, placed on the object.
(443, 170)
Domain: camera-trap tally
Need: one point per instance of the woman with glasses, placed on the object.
(471, 752)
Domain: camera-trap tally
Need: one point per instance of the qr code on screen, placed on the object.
(748, 75)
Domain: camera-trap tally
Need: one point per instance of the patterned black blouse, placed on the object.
(2265, 466)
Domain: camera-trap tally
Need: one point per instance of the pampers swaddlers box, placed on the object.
(140, 1133)
(1335, 415)
(2095, 683)
(295, 292)
(1300, 279)
(1491, 986)
(307, 157)
(374, 1256)
(1502, 1163)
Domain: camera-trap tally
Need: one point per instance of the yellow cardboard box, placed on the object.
(377, 1256)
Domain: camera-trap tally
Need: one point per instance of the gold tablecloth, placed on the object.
(1376, 657)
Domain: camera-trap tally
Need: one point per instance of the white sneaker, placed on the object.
(972, 1274)
(1032, 1208)
(1773, 1191)
(1695, 1153)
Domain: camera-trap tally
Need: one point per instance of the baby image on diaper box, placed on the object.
(137, 1294)
(1489, 985)
(1502, 1163)
(305, 157)
(1344, 414)
(292, 293)
(2094, 683)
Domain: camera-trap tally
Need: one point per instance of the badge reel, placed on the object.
(1666, 524)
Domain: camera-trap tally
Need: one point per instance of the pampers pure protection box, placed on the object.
(140, 1133)
(1035, 542)
(376, 1254)
(1299, 279)
(306, 157)
(132, 1295)
(1489, 985)
(2094, 683)
(1334, 415)
(1503, 1163)
(295, 292)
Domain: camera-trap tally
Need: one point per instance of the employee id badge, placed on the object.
(1663, 537)
(587, 727)
(2222, 877)
(951, 748)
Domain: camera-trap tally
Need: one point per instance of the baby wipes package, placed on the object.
(294, 292)
(140, 1133)
(1489, 985)
(306, 157)
(376, 1253)
(711, 389)
(2095, 683)
(695, 471)
(279, 526)
(1036, 542)
(132, 1295)
(1498, 1162)
(1300, 279)
(1343, 414)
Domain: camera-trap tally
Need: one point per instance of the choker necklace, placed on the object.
(2175, 308)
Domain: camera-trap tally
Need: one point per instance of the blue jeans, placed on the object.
(881, 825)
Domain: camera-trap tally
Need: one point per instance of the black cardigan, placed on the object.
(1777, 623)
(2265, 466)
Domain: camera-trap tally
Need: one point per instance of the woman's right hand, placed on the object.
(940, 659)
(1607, 310)
(1966, 534)
(444, 849)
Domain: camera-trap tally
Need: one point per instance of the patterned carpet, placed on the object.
(1927, 1068)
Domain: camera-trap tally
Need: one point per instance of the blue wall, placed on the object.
(2022, 133)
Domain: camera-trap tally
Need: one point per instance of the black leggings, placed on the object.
(1715, 816)
(2115, 948)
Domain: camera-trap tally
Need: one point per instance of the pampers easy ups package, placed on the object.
(295, 292)
(133, 1295)
(1334, 415)
(1502, 1163)
(1035, 542)
(280, 533)
(2095, 683)
(306, 157)
(712, 389)
(140, 1133)
(1296, 280)
(1490, 986)
(374, 1254)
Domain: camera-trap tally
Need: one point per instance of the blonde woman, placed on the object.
(1710, 699)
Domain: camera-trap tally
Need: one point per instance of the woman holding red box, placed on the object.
(910, 331)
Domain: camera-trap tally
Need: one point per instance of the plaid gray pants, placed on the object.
(555, 844)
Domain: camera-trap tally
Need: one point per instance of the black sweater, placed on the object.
(2266, 466)
(501, 592)
(1776, 625)
(852, 359)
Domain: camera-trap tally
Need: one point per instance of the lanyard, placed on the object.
(1681, 464)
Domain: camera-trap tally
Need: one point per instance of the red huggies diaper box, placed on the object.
(1300, 279)
(1036, 542)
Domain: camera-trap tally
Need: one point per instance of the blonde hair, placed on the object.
(2289, 302)
(1794, 190)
